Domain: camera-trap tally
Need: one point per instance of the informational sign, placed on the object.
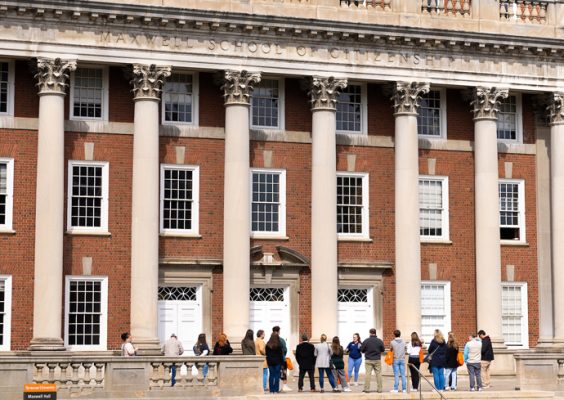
(40, 391)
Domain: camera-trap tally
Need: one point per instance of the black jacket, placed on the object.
(224, 350)
(305, 355)
(274, 356)
(452, 357)
(372, 348)
(487, 349)
(437, 352)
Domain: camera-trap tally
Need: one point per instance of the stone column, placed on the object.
(488, 252)
(407, 235)
(147, 84)
(238, 86)
(52, 79)
(324, 274)
(556, 119)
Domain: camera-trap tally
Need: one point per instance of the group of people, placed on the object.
(443, 357)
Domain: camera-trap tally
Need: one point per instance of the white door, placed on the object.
(180, 312)
(356, 313)
(270, 307)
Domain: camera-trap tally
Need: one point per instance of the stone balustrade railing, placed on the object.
(452, 8)
(523, 11)
(381, 5)
(87, 376)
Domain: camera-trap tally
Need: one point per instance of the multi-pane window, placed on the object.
(433, 207)
(4, 87)
(508, 119)
(430, 118)
(352, 204)
(350, 109)
(179, 97)
(514, 319)
(5, 311)
(435, 308)
(511, 210)
(268, 202)
(88, 93)
(87, 196)
(6, 192)
(179, 198)
(266, 104)
(86, 312)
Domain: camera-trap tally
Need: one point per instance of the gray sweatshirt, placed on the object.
(398, 347)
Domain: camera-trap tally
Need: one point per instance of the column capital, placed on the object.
(53, 74)
(148, 81)
(324, 92)
(555, 110)
(406, 96)
(486, 101)
(238, 86)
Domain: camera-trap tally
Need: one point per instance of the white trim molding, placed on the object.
(511, 313)
(363, 110)
(281, 105)
(518, 118)
(522, 223)
(445, 215)
(7, 226)
(105, 94)
(442, 114)
(7, 328)
(365, 212)
(11, 88)
(195, 98)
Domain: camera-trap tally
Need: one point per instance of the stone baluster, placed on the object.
(75, 377)
(155, 381)
(527, 12)
(100, 367)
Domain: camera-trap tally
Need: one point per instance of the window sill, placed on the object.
(7, 231)
(180, 234)
(262, 236)
(354, 239)
(435, 241)
(88, 233)
(513, 243)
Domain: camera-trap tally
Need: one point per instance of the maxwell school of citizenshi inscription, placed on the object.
(362, 56)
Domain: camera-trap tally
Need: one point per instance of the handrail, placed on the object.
(427, 380)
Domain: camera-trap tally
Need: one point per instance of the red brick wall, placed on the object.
(212, 112)
(26, 100)
(121, 103)
(297, 107)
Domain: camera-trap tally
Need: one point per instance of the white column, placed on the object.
(237, 88)
(52, 79)
(556, 118)
(324, 274)
(407, 236)
(147, 83)
(488, 252)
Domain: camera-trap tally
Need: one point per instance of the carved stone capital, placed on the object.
(238, 86)
(148, 80)
(555, 109)
(53, 74)
(406, 96)
(486, 101)
(325, 91)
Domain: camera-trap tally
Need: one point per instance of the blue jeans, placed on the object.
(450, 372)
(264, 378)
(354, 363)
(329, 376)
(173, 375)
(399, 369)
(274, 378)
(438, 377)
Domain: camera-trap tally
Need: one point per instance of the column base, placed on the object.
(47, 344)
(147, 347)
(498, 343)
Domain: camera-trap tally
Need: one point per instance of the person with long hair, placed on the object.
(202, 349)
(222, 346)
(322, 362)
(355, 357)
(451, 362)
(260, 347)
(274, 359)
(338, 362)
(248, 344)
(414, 348)
(437, 359)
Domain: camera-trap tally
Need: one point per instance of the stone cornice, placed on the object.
(486, 102)
(238, 86)
(555, 109)
(325, 91)
(163, 19)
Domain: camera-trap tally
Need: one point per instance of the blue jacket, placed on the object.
(438, 351)
(354, 350)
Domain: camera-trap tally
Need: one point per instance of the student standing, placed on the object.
(398, 347)
(414, 348)
(222, 347)
(487, 357)
(248, 344)
(323, 354)
(260, 347)
(201, 349)
(127, 348)
(437, 359)
(373, 348)
(284, 370)
(451, 363)
(305, 356)
(355, 357)
(338, 362)
(472, 358)
(172, 348)
(274, 359)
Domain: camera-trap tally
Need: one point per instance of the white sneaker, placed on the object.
(447, 389)
(286, 388)
(472, 389)
(394, 391)
(479, 389)
(347, 389)
(355, 383)
(403, 391)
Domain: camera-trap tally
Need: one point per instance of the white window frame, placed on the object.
(103, 228)
(11, 89)
(281, 107)
(363, 111)
(8, 312)
(281, 233)
(447, 303)
(103, 310)
(445, 215)
(518, 121)
(7, 226)
(195, 102)
(365, 235)
(195, 231)
(105, 94)
(525, 311)
(522, 216)
(443, 116)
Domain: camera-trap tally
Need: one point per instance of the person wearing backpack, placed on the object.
(452, 363)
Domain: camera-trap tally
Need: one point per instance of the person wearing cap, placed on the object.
(172, 348)
(305, 356)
